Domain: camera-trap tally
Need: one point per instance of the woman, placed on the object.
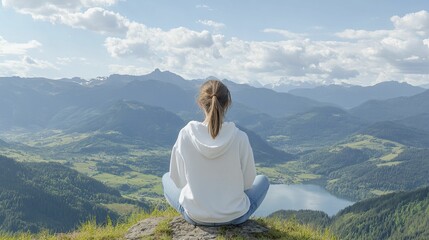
(212, 179)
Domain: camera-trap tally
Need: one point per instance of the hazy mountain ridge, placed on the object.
(136, 120)
(393, 109)
(270, 102)
(352, 96)
(398, 133)
(319, 126)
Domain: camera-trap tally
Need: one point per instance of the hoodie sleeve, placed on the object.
(177, 166)
(247, 163)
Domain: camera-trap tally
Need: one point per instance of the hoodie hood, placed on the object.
(205, 144)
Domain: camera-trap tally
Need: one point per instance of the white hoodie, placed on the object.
(213, 173)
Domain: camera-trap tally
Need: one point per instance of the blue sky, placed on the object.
(271, 42)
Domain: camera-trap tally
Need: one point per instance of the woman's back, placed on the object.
(213, 172)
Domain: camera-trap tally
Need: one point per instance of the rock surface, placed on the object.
(180, 229)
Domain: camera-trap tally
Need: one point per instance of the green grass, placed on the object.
(308, 176)
(380, 192)
(278, 229)
(293, 172)
(21, 156)
(388, 150)
(123, 209)
(389, 164)
(395, 153)
(371, 142)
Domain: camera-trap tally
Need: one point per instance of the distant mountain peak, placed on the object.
(211, 78)
(157, 74)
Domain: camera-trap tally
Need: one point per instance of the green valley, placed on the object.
(37, 196)
(118, 133)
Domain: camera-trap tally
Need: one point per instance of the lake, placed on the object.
(300, 196)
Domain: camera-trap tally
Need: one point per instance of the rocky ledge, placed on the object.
(178, 228)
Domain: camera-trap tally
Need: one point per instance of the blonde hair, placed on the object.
(215, 99)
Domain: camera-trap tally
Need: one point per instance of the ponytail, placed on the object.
(215, 99)
(215, 117)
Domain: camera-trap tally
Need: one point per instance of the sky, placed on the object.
(269, 42)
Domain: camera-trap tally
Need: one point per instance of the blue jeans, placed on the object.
(256, 195)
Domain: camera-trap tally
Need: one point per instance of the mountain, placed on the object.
(318, 126)
(136, 120)
(268, 101)
(402, 215)
(364, 166)
(38, 103)
(36, 196)
(393, 109)
(30, 102)
(288, 86)
(3, 143)
(398, 133)
(419, 121)
(352, 96)
(424, 86)
(264, 154)
(158, 75)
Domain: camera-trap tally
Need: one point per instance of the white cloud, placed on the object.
(129, 69)
(9, 48)
(86, 14)
(402, 49)
(418, 21)
(14, 58)
(24, 66)
(70, 60)
(362, 34)
(204, 6)
(359, 56)
(340, 73)
(98, 20)
(212, 24)
(142, 41)
(38, 7)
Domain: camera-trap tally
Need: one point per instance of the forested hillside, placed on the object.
(403, 215)
(36, 196)
(365, 166)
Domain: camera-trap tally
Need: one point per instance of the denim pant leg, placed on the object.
(172, 194)
(256, 195)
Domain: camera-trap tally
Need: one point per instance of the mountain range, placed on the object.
(357, 142)
(393, 109)
(349, 96)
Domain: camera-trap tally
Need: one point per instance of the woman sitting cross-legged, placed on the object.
(212, 179)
